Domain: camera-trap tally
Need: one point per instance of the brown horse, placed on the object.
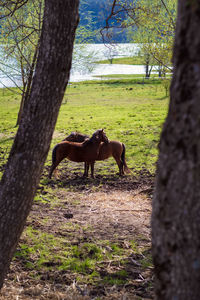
(76, 137)
(79, 152)
(106, 150)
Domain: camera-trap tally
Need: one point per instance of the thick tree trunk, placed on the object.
(176, 204)
(33, 138)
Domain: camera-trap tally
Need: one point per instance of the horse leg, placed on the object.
(54, 165)
(120, 164)
(86, 169)
(125, 167)
(92, 169)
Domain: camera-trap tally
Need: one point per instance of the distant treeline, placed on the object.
(93, 14)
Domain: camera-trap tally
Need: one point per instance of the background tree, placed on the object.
(83, 59)
(176, 205)
(31, 144)
(149, 23)
(20, 35)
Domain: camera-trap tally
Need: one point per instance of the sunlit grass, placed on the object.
(40, 250)
(134, 60)
(129, 110)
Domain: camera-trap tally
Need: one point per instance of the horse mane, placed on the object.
(76, 137)
(87, 141)
(76, 133)
(92, 139)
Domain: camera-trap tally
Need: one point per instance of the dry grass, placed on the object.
(119, 216)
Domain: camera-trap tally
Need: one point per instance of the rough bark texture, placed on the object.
(176, 204)
(33, 138)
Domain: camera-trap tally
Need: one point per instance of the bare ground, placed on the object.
(111, 208)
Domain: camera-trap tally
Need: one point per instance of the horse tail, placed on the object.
(53, 160)
(54, 154)
(126, 169)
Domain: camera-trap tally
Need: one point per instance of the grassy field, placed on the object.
(59, 243)
(130, 110)
(134, 60)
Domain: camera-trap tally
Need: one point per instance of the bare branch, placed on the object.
(169, 14)
(9, 6)
(10, 89)
(11, 79)
(8, 66)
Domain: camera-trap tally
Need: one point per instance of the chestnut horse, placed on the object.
(86, 151)
(76, 137)
(106, 150)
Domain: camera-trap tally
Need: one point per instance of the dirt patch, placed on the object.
(108, 208)
(59, 135)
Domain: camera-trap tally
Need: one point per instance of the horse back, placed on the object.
(112, 148)
(79, 152)
(76, 137)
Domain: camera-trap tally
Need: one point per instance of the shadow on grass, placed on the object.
(76, 182)
(129, 273)
(163, 98)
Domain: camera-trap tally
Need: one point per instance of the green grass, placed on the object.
(116, 278)
(130, 110)
(121, 76)
(134, 60)
(135, 78)
(43, 251)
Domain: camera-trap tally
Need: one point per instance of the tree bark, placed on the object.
(31, 145)
(176, 203)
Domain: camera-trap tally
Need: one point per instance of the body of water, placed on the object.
(104, 69)
(84, 68)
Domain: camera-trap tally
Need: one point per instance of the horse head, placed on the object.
(100, 136)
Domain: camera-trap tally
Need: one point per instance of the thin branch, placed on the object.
(169, 14)
(17, 43)
(161, 62)
(11, 79)
(8, 66)
(10, 89)
(17, 5)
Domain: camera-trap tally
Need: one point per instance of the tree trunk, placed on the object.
(176, 204)
(147, 66)
(32, 141)
(19, 116)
